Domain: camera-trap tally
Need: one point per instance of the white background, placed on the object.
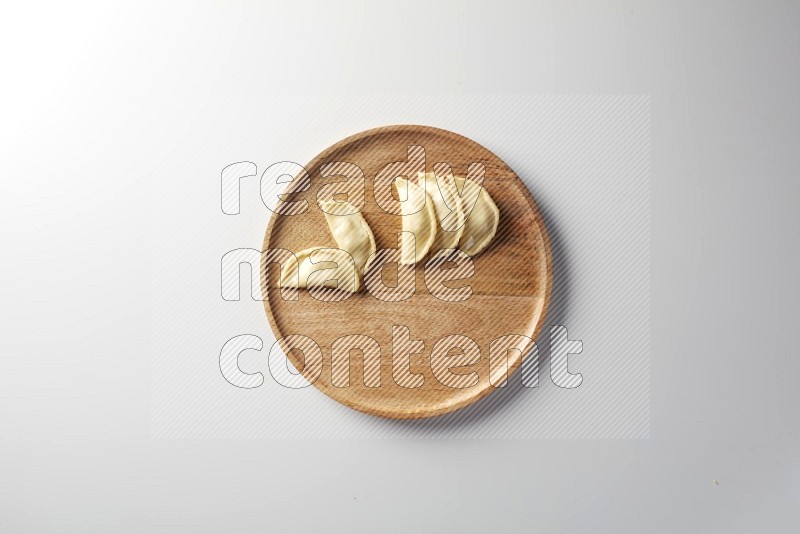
(101, 104)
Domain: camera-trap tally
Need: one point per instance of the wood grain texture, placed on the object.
(511, 284)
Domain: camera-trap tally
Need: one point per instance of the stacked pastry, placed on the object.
(435, 212)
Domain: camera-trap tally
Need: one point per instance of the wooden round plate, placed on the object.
(511, 284)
